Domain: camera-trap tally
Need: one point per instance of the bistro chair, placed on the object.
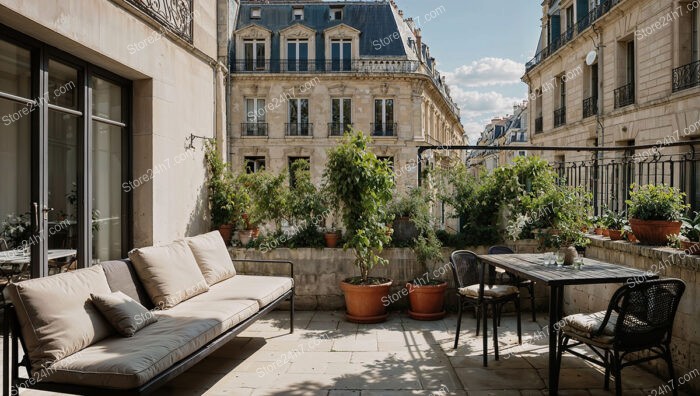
(468, 272)
(521, 283)
(639, 318)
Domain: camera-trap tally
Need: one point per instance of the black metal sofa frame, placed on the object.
(12, 339)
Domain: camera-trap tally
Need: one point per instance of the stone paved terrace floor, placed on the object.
(328, 356)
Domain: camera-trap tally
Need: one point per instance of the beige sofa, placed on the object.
(70, 347)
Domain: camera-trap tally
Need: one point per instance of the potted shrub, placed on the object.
(426, 295)
(615, 223)
(362, 186)
(656, 212)
(691, 234)
(222, 204)
(402, 210)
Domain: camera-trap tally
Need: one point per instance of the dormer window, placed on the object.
(298, 14)
(255, 13)
(336, 14)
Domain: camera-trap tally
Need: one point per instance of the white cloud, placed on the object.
(487, 72)
(478, 108)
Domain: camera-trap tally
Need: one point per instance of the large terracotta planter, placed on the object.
(226, 231)
(331, 239)
(615, 235)
(692, 248)
(654, 232)
(366, 303)
(427, 301)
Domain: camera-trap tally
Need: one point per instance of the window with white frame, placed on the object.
(299, 118)
(341, 54)
(297, 55)
(336, 14)
(384, 118)
(255, 124)
(255, 13)
(254, 54)
(298, 14)
(341, 116)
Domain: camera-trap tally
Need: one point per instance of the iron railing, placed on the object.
(590, 107)
(338, 128)
(175, 15)
(254, 129)
(299, 129)
(324, 66)
(687, 76)
(539, 124)
(384, 129)
(624, 96)
(560, 116)
(571, 33)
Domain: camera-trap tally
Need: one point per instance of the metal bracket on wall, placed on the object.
(189, 141)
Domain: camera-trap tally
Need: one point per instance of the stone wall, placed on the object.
(670, 263)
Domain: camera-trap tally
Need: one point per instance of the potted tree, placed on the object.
(656, 212)
(362, 186)
(222, 205)
(691, 234)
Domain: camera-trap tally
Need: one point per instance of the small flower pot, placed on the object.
(631, 238)
(366, 303)
(615, 235)
(245, 236)
(331, 239)
(692, 248)
(606, 232)
(598, 231)
(427, 301)
(654, 232)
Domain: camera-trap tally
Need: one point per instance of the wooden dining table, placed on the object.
(531, 266)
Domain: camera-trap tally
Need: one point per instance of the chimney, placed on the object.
(401, 13)
(419, 44)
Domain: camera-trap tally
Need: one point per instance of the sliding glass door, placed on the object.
(63, 162)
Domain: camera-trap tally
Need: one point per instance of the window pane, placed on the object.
(347, 111)
(107, 192)
(293, 114)
(335, 111)
(15, 70)
(260, 55)
(292, 55)
(303, 56)
(261, 110)
(304, 111)
(378, 113)
(106, 99)
(249, 56)
(335, 50)
(390, 111)
(250, 110)
(62, 85)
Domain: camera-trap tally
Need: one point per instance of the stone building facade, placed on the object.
(306, 72)
(618, 73)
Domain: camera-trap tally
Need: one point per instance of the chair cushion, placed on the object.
(582, 327)
(120, 363)
(122, 277)
(125, 314)
(56, 315)
(263, 289)
(212, 257)
(169, 273)
(495, 291)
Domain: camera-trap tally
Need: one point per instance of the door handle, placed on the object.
(36, 216)
(46, 211)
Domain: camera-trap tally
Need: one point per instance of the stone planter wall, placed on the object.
(669, 263)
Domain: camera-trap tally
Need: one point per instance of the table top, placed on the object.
(14, 257)
(530, 266)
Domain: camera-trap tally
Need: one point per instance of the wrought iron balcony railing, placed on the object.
(254, 129)
(299, 129)
(560, 116)
(175, 15)
(324, 66)
(338, 128)
(384, 129)
(571, 33)
(624, 96)
(590, 107)
(687, 76)
(539, 123)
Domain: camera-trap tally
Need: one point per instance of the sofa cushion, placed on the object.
(212, 257)
(122, 277)
(56, 315)
(180, 331)
(169, 273)
(125, 314)
(263, 289)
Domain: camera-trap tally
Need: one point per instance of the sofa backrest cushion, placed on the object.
(56, 316)
(125, 314)
(122, 277)
(169, 273)
(212, 257)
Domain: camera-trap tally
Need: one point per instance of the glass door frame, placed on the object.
(41, 53)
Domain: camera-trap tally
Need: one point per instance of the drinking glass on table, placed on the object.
(560, 259)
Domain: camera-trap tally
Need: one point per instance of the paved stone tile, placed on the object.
(504, 379)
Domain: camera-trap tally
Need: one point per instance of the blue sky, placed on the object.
(481, 46)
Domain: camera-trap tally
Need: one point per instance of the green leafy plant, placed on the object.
(656, 202)
(226, 203)
(269, 196)
(615, 221)
(362, 186)
(16, 229)
(691, 227)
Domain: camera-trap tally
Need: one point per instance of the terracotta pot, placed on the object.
(427, 301)
(255, 232)
(598, 231)
(692, 248)
(654, 232)
(615, 235)
(245, 236)
(331, 239)
(631, 237)
(366, 303)
(226, 231)
(606, 232)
